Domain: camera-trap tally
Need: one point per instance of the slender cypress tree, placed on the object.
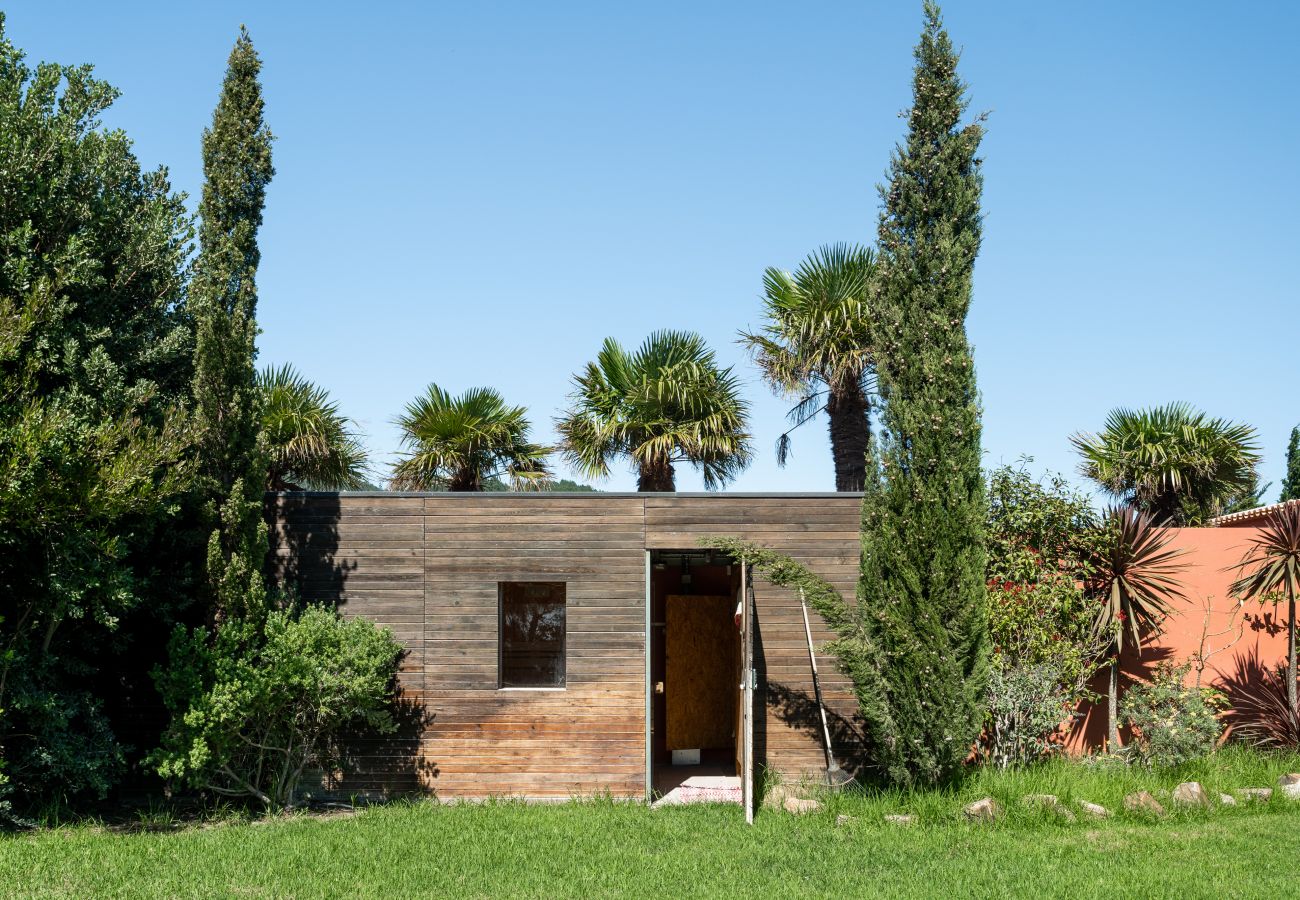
(1291, 481)
(223, 297)
(922, 586)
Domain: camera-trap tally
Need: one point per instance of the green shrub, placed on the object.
(258, 706)
(1027, 706)
(1172, 723)
(1040, 622)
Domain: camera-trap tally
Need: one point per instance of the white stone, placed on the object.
(1190, 793)
(1142, 801)
(1261, 795)
(984, 810)
(800, 805)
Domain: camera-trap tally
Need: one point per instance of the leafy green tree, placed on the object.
(254, 717)
(227, 412)
(923, 556)
(1272, 567)
(1042, 537)
(815, 348)
(1291, 482)
(1173, 462)
(1135, 577)
(666, 403)
(223, 298)
(94, 367)
(305, 439)
(461, 443)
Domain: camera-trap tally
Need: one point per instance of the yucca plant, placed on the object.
(1262, 712)
(666, 403)
(1135, 579)
(458, 443)
(815, 348)
(308, 443)
(1173, 462)
(1271, 567)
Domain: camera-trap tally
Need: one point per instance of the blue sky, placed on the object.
(479, 193)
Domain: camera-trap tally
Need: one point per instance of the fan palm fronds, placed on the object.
(815, 349)
(309, 444)
(665, 403)
(458, 443)
(1173, 461)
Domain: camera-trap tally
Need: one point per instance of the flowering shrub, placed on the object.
(1172, 723)
(1040, 620)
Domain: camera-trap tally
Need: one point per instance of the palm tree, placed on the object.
(816, 349)
(666, 403)
(458, 443)
(1134, 576)
(307, 442)
(1172, 461)
(1272, 566)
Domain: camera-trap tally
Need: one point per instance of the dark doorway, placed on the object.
(695, 676)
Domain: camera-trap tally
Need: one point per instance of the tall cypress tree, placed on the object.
(922, 586)
(223, 297)
(1291, 481)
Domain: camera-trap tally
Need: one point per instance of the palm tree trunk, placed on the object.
(1112, 703)
(657, 476)
(848, 409)
(1290, 659)
(467, 479)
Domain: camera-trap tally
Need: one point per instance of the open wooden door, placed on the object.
(747, 686)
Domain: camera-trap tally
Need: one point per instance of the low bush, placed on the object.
(1027, 705)
(1172, 723)
(258, 706)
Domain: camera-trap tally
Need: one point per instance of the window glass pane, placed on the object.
(532, 634)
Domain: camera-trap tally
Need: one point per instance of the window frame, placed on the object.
(564, 639)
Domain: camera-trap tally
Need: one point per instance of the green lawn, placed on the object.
(602, 848)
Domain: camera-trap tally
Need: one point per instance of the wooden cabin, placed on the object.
(573, 644)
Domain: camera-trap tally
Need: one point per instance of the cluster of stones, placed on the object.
(1189, 794)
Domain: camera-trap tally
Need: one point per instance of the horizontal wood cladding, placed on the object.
(821, 533)
(588, 737)
(428, 567)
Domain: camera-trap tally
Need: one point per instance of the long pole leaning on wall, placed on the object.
(649, 690)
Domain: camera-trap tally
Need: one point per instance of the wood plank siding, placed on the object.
(428, 566)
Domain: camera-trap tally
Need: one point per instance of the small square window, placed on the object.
(532, 631)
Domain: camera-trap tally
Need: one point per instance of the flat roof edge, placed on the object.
(582, 495)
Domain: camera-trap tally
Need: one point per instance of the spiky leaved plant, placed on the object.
(1135, 580)
(1272, 566)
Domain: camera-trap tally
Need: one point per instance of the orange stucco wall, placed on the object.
(1210, 555)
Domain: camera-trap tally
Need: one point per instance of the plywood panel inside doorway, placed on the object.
(700, 678)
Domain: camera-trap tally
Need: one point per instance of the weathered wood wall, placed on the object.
(428, 567)
(822, 533)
